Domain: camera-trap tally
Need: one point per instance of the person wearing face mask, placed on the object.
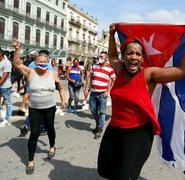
(73, 74)
(26, 125)
(101, 79)
(42, 103)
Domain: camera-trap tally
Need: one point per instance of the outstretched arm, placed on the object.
(17, 61)
(165, 75)
(112, 50)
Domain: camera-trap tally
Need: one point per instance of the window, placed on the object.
(55, 21)
(38, 13)
(89, 37)
(57, 2)
(28, 9)
(78, 19)
(15, 30)
(84, 36)
(70, 32)
(62, 23)
(2, 27)
(77, 35)
(62, 42)
(71, 14)
(54, 41)
(16, 4)
(2, 1)
(27, 34)
(47, 17)
(94, 41)
(64, 5)
(47, 39)
(38, 37)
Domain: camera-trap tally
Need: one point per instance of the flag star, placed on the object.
(148, 46)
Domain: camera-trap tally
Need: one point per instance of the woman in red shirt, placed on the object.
(127, 141)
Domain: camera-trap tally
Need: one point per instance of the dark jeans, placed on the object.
(123, 152)
(35, 121)
(73, 94)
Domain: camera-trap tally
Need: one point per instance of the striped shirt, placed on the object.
(100, 77)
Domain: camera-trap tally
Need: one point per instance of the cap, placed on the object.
(33, 53)
(95, 57)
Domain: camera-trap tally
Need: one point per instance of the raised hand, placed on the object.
(16, 44)
(112, 28)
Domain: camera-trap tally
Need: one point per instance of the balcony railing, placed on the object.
(85, 27)
(75, 40)
(93, 31)
(75, 22)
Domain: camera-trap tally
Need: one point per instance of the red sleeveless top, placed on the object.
(131, 103)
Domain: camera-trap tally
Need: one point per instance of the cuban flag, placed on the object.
(165, 46)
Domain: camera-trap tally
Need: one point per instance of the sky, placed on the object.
(133, 11)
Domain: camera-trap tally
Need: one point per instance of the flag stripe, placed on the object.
(166, 120)
(180, 84)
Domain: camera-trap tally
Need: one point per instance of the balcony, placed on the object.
(74, 40)
(37, 44)
(84, 42)
(27, 41)
(84, 26)
(75, 22)
(92, 31)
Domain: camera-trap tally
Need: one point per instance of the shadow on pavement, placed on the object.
(19, 146)
(78, 125)
(66, 171)
(18, 123)
(85, 114)
(17, 104)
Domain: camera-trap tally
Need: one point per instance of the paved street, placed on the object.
(76, 157)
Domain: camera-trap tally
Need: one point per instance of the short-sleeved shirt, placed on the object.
(100, 77)
(6, 66)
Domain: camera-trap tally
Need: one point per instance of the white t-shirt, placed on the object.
(6, 66)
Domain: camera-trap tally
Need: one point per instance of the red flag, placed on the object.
(160, 40)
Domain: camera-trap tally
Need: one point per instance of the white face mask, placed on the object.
(101, 61)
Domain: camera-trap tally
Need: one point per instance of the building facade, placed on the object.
(38, 24)
(103, 43)
(82, 34)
